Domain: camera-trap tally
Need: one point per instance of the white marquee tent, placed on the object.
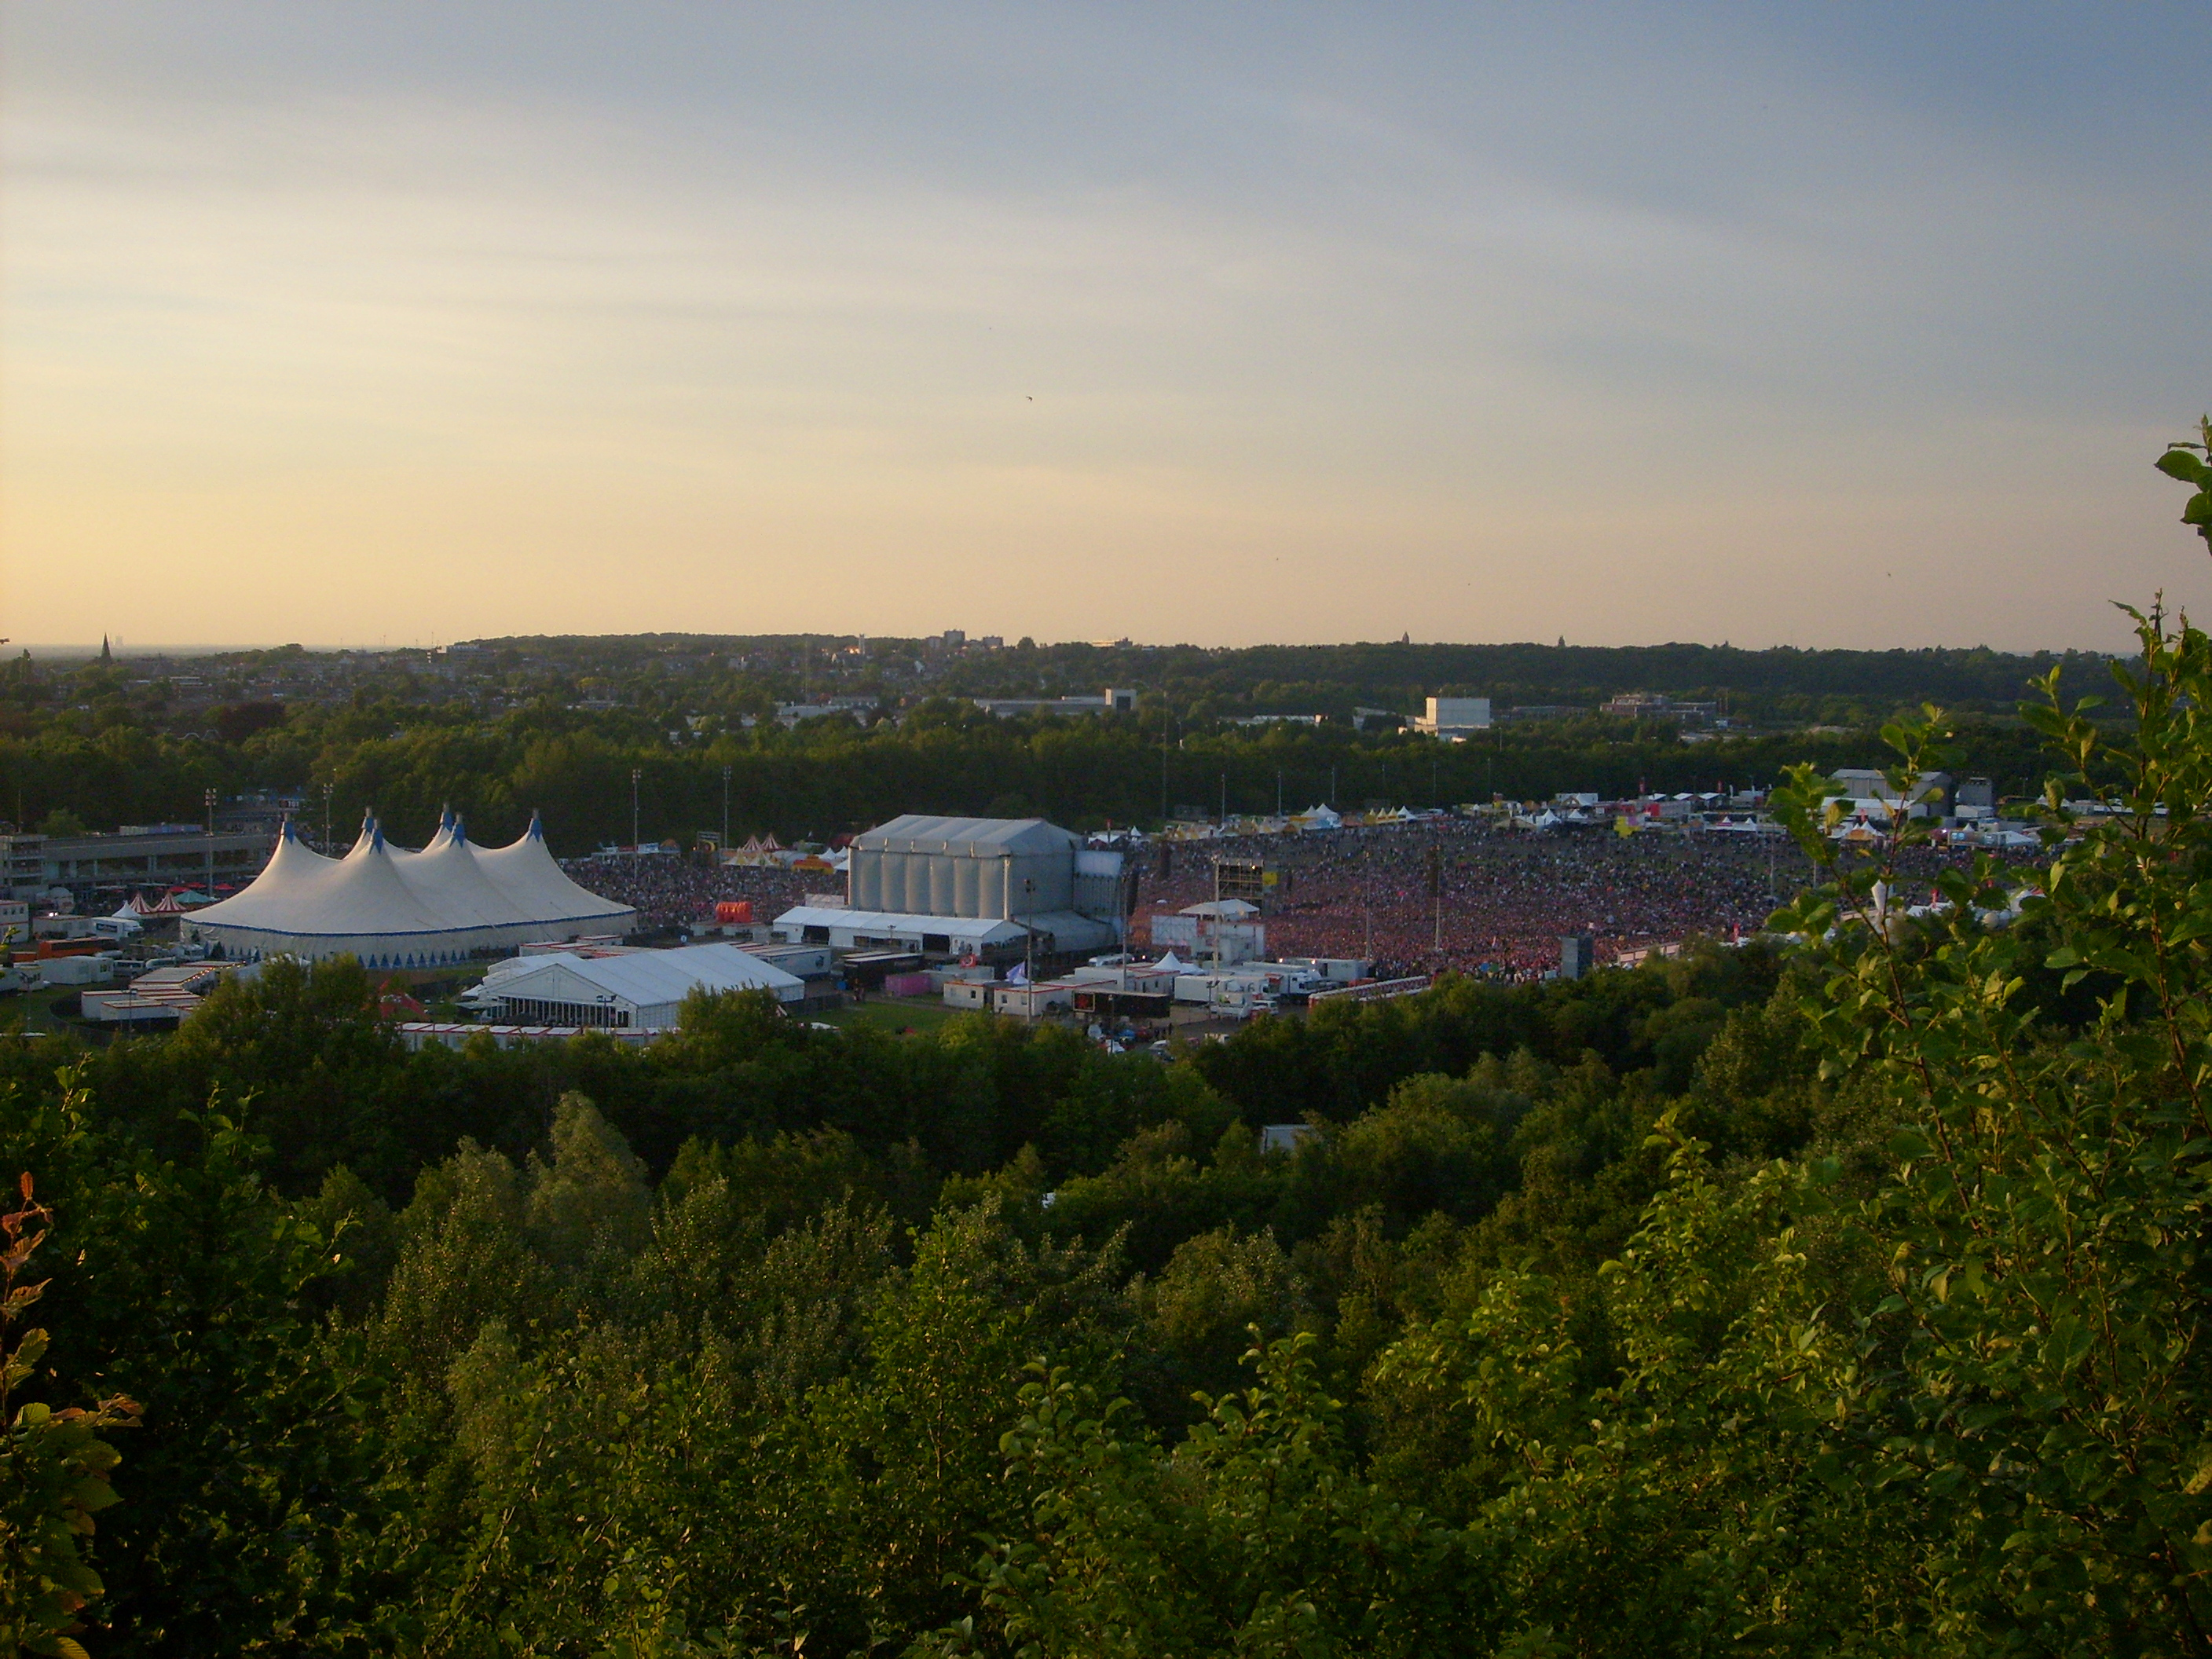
(391, 907)
(632, 990)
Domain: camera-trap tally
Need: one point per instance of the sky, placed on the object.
(400, 324)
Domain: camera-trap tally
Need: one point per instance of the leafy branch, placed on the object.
(54, 1468)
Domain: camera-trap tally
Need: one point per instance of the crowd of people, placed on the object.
(1507, 897)
(670, 891)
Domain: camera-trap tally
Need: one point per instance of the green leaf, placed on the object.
(1909, 1143)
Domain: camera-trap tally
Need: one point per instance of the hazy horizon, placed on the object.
(1780, 325)
(135, 651)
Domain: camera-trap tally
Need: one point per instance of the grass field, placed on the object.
(922, 1013)
(35, 1009)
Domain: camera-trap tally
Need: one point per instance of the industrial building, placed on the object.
(1454, 718)
(148, 855)
(989, 888)
(1113, 700)
(162, 996)
(1869, 793)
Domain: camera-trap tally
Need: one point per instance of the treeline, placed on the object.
(1778, 682)
(408, 761)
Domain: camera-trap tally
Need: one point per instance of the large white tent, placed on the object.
(633, 990)
(391, 907)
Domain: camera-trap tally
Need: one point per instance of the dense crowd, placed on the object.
(670, 891)
(1508, 896)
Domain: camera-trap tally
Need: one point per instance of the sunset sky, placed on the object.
(1780, 323)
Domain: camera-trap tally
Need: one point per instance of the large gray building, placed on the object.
(1036, 879)
(131, 857)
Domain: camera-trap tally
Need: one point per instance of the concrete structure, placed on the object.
(624, 990)
(969, 993)
(156, 998)
(932, 936)
(1026, 1001)
(1221, 933)
(1113, 700)
(1333, 971)
(77, 971)
(1131, 979)
(390, 908)
(924, 865)
(808, 962)
(1868, 794)
(23, 867)
(1454, 717)
(148, 856)
(956, 886)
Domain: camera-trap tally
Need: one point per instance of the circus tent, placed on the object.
(393, 907)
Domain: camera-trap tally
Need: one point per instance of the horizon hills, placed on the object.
(762, 672)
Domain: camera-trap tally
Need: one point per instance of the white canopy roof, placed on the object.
(981, 838)
(524, 870)
(391, 907)
(643, 979)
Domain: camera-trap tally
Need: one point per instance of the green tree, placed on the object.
(54, 1468)
(2035, 1370)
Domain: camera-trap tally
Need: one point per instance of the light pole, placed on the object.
(726, 810)
(326, 818)
(634, 774)
(209, 797)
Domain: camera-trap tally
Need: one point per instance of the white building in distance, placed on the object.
(1453, 718)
